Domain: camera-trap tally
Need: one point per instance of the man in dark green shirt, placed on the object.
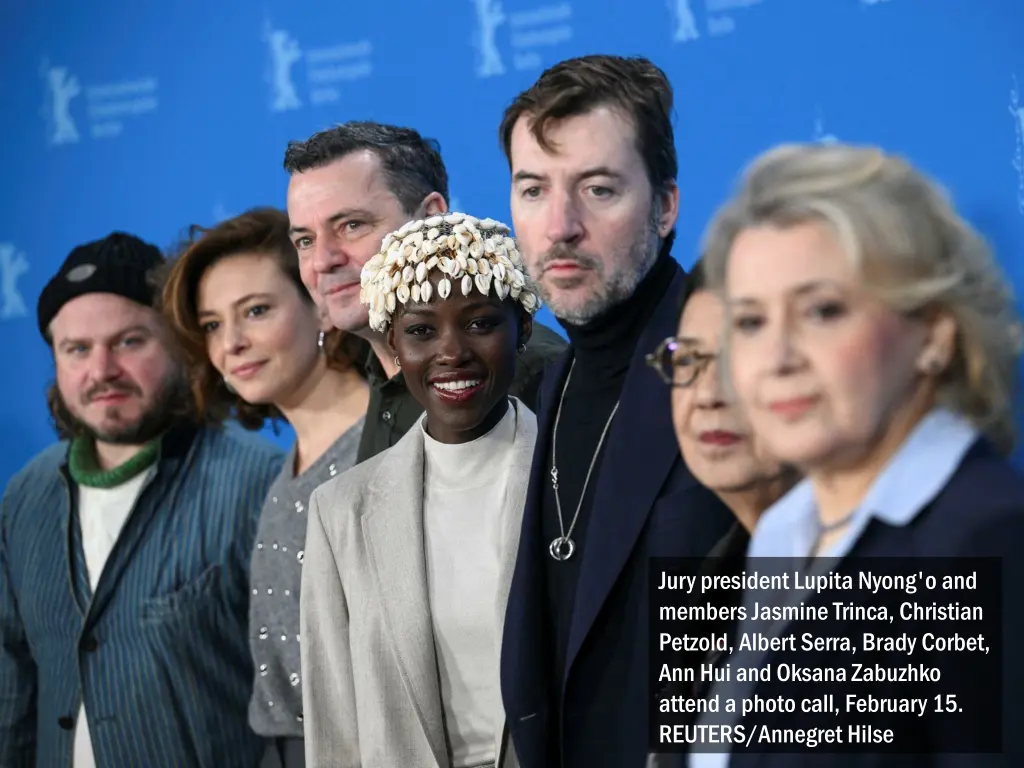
(350, 186)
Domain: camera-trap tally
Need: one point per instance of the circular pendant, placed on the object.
(562, 548)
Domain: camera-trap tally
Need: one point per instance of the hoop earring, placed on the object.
(320, 340)
(398, 363)
(522, 348)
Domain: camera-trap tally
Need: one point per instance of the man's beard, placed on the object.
(170, 403)
(613, 288)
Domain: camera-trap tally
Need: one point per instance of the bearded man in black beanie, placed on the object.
(124, 548)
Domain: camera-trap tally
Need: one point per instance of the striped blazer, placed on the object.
(159, 654)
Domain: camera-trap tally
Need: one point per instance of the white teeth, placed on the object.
(455, 386)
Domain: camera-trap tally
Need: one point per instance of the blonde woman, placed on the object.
(873, 344)
(409, 555)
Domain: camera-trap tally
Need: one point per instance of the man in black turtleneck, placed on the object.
(594, 203)
(603, 349)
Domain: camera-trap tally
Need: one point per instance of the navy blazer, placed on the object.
(647, 504)
(979, 513)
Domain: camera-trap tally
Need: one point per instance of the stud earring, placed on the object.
(320, 340)
(398, 363)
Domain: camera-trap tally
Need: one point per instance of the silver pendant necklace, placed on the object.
(562, 547)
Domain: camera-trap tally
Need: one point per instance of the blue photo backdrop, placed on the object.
(149, 117)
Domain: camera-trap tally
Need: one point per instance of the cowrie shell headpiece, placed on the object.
(468, 253)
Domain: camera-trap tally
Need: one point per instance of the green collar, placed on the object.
(85, 471)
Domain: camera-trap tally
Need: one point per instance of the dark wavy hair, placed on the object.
(262, 231)
(411, 163)
(633, 85)
(696, 281)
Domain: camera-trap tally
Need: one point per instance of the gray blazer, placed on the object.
(371, 694)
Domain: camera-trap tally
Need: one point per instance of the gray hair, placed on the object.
(412, 164)
(912, 249)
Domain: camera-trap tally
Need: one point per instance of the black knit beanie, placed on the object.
(120, 264)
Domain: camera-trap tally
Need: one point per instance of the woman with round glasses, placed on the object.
(715, 440)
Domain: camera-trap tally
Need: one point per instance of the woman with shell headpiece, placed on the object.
(409, 555)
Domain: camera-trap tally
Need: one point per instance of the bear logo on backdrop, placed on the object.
(327, 67)
(13, 265)
(1017, 113)
(820, 134)
(61, 88)
(690, 20)
(489, 16)
(111, 105)
(284, 52)
(684, 24)
(221, 213)
(537, 36)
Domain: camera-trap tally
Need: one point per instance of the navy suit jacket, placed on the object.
(647, 504)
(980, 513)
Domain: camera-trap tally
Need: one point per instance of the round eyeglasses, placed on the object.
(677, 363)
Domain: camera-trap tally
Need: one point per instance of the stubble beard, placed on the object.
(611, 290)
(162, 412)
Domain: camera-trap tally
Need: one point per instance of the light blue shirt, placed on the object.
(914, 476)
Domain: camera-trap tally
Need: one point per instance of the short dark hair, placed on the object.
(634, 85)
(261, 231)
(696, 281)
(412, 164)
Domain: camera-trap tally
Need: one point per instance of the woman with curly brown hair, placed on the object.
(258, 350)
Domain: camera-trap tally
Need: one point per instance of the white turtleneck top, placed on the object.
(463, 504)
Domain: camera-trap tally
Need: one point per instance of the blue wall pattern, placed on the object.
(150, 117)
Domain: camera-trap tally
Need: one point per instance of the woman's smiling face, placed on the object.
(458, 359)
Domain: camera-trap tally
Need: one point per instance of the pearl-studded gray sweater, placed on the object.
(275, 709)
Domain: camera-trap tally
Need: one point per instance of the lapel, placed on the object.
(514, 503)
(641, 451)
(512, 519)
(78, 573)
(524, 684)
(157, 496)
(393, 531)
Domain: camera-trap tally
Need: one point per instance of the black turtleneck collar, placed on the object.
(609, 341)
